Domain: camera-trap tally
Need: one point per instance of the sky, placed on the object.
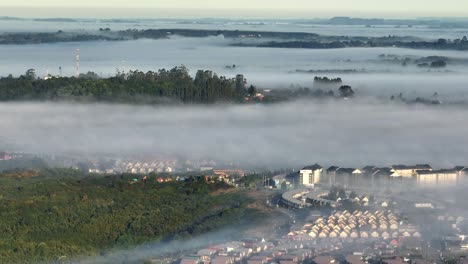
(242, 8)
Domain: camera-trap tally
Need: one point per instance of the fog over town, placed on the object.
(250, 138)
(345, 133)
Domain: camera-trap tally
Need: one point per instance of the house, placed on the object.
(323, 234)
(376, 173)
(5, 156)
(436, 178)
(332, 170)
(394, 242)
(368, 169)
(353, 259)
(462, 171)
(408, 171)
(222, 260)
(344, 234)
(364, 234)
(406, 234)
(257, 260)
(228, 173)
(206, 168)
(396, 260)
(310, 175)
(323, 260)
(331, 174)
(344, 176)
(206, 254)
(240, 253)
(393, 225)
(190, 260)
(385, 235)
(288, 259)
(354, 234)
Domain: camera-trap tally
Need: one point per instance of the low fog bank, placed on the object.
(157, 249)
(268, 68)
(213, 53)
(347, 133)
(450, 87)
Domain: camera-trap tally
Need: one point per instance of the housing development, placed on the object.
(396, 214)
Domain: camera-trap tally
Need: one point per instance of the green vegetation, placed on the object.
(363, 42)
(281, 39)
(327, 80)
(60, 214)
(175, 85)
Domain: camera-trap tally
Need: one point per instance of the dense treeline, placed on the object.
(280, 39)
(107, 35)
(38, 38)
(136, 86)
(56, 215)
(327, 80)
(440, 44)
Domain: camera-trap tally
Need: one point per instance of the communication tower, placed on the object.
(77, 66)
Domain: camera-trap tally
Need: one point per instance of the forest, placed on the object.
(57, 215)
(164, 86)
(263, 38)
(390, 41)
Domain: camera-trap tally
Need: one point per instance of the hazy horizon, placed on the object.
(272, 12)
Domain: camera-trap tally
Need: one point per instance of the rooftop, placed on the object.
(413, 167)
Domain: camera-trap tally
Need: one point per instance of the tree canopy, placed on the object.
(62, 213)
(174, 85)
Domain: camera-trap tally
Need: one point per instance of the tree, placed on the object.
(348, 205)
(352, 195)
(241, 82)
(442, 41)
(89, 75)
(346, 91)
(438, 64)
(284, 186)
(252, 90)
(342, 194)
(30, 74)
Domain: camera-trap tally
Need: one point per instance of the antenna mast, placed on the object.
(77, 63)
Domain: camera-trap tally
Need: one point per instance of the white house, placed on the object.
(310, 175)
(437, 178)
(408, 171)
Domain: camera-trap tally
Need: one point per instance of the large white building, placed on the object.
(437, 178)
(408, 171)
(310, 175)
